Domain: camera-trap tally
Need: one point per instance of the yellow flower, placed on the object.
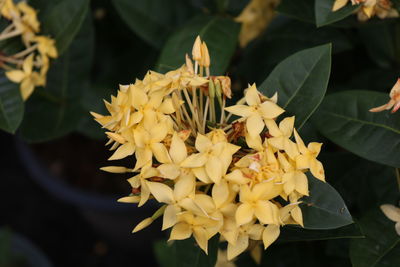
(394, 101)
(280, 136)
(139, 181)
(255, 17)
(29, 16)
(176, 199)
(27, 77)
(222, 260)
(292, 179)
(308, 157)
(213, 160)
(256, 204)
(149, 144)
(9, 10)
(393, 213)
(256, 111)
(192, 224)
(46, 46)
(369, 8)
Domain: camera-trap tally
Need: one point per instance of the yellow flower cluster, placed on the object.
(255, 18)
(369, 8)
(241, 178)
(28, 67)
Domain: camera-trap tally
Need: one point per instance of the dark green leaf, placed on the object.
(283, 38)
(301, 81)
(61, 19)
(153, 20)
(324, 14)
(299, 9)
(56, 110)
(382, 42)
(291, 233)
(344, 119)
(219, 33)
(186, 253)
(381, 247)
(324, 208)
(11, 105)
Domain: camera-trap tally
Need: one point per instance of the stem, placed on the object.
(398, 177)
(187, 97)
(222, 111)
(205, 114)
(25, 52)
(9, 35)
(11, 60)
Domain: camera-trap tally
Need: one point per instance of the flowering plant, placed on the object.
(227, 168)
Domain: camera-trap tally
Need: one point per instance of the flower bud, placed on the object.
(143, 224)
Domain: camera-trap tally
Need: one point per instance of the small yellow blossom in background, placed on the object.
(255, 18)
(394, 101)
(28, 67)
(191, 158)
(393, 213)
(369, 8)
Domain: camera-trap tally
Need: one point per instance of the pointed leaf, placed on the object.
(299, 79)
(381, 247)
(324, 14)
(344, 119)
(11, 105)
(291, 233)
(324, 208)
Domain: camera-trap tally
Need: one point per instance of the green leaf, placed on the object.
(61, 19)
(283, 38)
(11, 105)
(345, 119)
(291, 233)
(186, 253)
(382, 42)
(324, 14)
(324, 208)
(299, 9)
(219, 33)
(56, 110)
(301, 81)
(381, 247)
(153, 20)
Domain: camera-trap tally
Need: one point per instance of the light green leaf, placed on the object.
(301, 81)
(324, 14)
(345, 119)
(153, 20)
(219, 33)
(324, 208)
(381, 247)
(61, 19)
(11, 105)
(56, 110)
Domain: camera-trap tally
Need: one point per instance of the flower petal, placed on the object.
(177, 150)
(214, 169)
(160, 152)
(252, 96)
(240, 110)
(194, 161)
(241, 245)
(184, 187)
(123, 151)
(391, 211)
(180, 231)
(202, 143)
(270, 110)
(161, 192)
(244, 214)
(169, 218)
(270, 235)
(170, 171)
(254, 124)
(220, 193)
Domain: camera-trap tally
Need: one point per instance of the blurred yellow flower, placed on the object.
(394, 101)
